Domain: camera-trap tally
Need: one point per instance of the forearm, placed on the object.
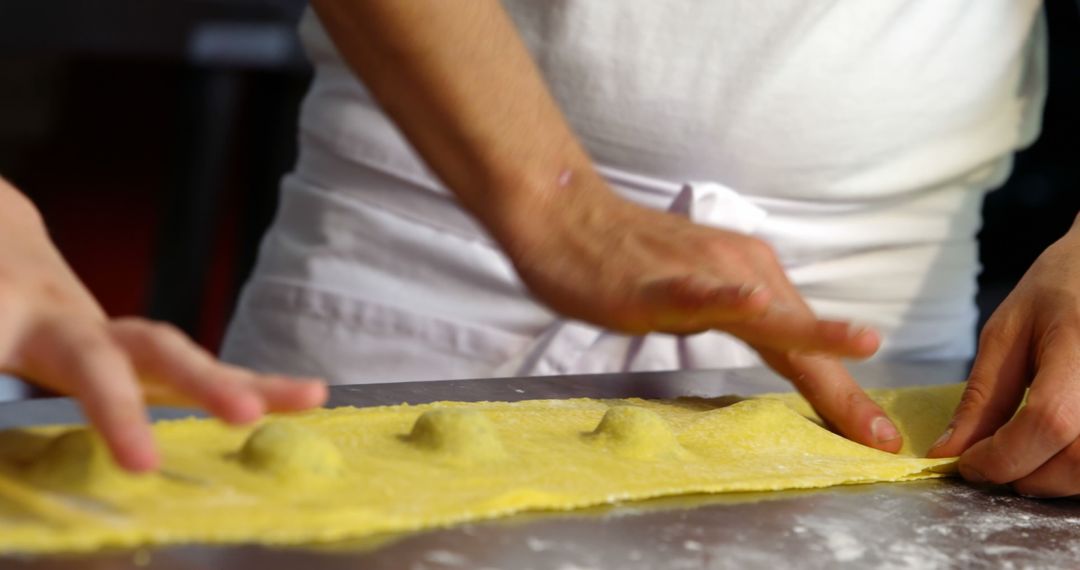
(458, 81)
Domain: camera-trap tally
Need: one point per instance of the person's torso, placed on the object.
(830, 100)
(863, 130)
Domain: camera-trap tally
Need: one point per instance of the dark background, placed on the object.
(152, 135)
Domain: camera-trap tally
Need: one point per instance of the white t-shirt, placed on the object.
(866, 131)
(825, 101)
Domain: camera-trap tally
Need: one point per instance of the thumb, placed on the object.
(994, 390)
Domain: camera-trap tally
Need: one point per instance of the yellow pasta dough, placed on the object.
(350, 473)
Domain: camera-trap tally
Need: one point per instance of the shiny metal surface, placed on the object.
(930, 524)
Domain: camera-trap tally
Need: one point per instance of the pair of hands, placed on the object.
(607, 261)
(481, 116)
(593, 256)
(54, 333)
(603, 260)
(628, 268)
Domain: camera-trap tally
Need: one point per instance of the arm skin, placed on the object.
(459, 83)
(1031, 341)
(54, 334)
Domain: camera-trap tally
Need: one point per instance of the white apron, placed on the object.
(856, 138)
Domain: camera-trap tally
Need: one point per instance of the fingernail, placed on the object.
(943, 439)
(883, 430)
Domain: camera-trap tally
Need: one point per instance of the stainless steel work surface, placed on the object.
(928, 524)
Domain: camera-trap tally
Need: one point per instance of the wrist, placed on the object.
(541, 207)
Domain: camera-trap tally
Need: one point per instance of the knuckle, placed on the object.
(153, 336)
(83, 339)
(99, 354)
(990, 333)
(759, 249)
(1053, 422)
(976, 396)
(679, 289)
(857, 405)
(998, 332)
(857, 399)
(997, 466)
(720, 251)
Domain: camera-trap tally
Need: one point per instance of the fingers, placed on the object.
(689, 303)
(1046, 425)
(180, 372)
(80, 359)
(281, 393)
(805, 350)
(831, 390)
(97, 364)
(1056, 478)
(790, 325)
(994, 390)
(791, 321)
(784, 329)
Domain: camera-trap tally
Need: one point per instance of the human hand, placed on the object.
(54, 334)
(593, 256)
(1032, 339)
(478, 112)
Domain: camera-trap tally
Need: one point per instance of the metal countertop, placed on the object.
(926, 524)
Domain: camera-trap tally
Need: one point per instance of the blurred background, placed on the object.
(152, 136)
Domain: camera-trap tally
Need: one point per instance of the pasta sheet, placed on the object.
(348, 473)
